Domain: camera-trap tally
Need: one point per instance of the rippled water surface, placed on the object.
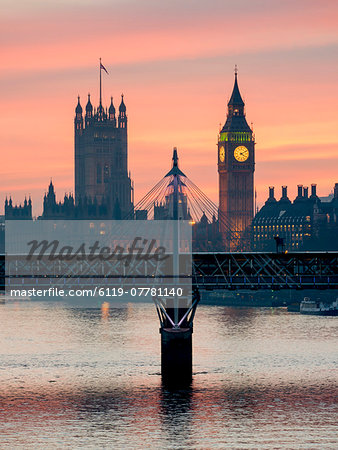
(90, 378)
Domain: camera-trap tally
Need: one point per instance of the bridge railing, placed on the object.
(248, 270)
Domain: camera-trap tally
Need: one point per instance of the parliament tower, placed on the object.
(236, 166)
(101, 157)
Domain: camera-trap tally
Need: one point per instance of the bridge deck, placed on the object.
(246, 270)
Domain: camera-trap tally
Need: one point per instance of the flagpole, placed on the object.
(100, 85)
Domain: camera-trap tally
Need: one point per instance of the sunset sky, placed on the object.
(174, 62)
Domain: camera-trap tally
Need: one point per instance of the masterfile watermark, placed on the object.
(98, 292)
(139, 250)
(123, 257)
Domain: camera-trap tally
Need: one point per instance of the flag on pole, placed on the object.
(102, 67)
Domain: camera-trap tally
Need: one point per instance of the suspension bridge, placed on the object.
(175, 197)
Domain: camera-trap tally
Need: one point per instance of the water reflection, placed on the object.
(91, 378)
(236, 319)
(105, 311)
(195, 417)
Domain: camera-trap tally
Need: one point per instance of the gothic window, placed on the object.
(106, 173)
(98, 174)
(118, 161)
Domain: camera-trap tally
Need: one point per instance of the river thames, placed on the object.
(90, 378)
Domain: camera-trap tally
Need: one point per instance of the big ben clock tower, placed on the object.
(236, 166)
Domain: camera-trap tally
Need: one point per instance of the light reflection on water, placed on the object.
(263, 378)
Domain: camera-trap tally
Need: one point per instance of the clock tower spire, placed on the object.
(236, 165)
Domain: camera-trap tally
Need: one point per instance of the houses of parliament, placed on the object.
(104, 189)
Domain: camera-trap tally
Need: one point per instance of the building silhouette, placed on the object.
(103, 187)
(236, 165)
(307, 223)
(18, 212)
(101, 157)
(86, 208)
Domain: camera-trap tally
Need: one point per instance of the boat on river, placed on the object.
(318, 307)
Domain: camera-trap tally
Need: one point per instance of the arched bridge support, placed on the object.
(176, 329)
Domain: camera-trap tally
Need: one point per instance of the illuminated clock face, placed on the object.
(241, 153)
(221, 153)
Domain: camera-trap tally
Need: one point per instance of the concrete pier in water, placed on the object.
(176, 355)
